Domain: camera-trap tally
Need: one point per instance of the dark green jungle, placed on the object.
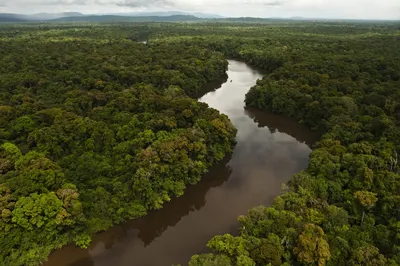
(97, 128)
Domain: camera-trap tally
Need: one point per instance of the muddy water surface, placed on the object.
(269, 150)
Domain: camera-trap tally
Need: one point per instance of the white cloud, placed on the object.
(358, 9)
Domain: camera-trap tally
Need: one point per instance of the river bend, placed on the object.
(269, 150)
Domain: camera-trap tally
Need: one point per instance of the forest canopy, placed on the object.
(97, 128)
(342, 81)
(95, 131)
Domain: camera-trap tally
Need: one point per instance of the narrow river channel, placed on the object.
(269, 150)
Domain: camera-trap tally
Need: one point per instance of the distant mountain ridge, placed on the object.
(5, 17)
(165, 14)
(127, 16)
(47, 16)
(116, 18)
(11, 17)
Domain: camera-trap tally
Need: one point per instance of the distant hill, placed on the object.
(169, 16)
(116, 18)
(48, 16)
(5, 17)
(10, 17)
(166, 14)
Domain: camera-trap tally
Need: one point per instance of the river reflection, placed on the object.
(275, 123)
(269, 150)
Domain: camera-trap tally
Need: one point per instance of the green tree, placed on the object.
(210, 260)
(312, 248)
(366, 199)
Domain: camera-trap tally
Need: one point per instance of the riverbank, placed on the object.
(252, 175)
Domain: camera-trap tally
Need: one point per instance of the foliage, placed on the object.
(102, 127)
(311, 247)
(95, 131)
(341, 80)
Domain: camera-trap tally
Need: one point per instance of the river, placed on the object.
(269, 150)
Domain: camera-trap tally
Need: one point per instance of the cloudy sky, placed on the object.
(358, 9)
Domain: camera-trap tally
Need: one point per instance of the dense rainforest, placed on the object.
(96, 129)
(342, 81)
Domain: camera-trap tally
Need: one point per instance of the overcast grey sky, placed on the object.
(358, 9)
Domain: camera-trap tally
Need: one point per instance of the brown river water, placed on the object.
(269, 150)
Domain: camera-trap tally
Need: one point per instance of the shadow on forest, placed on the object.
(211, 86)
(155, 223)
(148, 228)
(139, 233)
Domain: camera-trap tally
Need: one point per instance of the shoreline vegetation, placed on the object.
(343, 209)
(96, 132)
(96, 129)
